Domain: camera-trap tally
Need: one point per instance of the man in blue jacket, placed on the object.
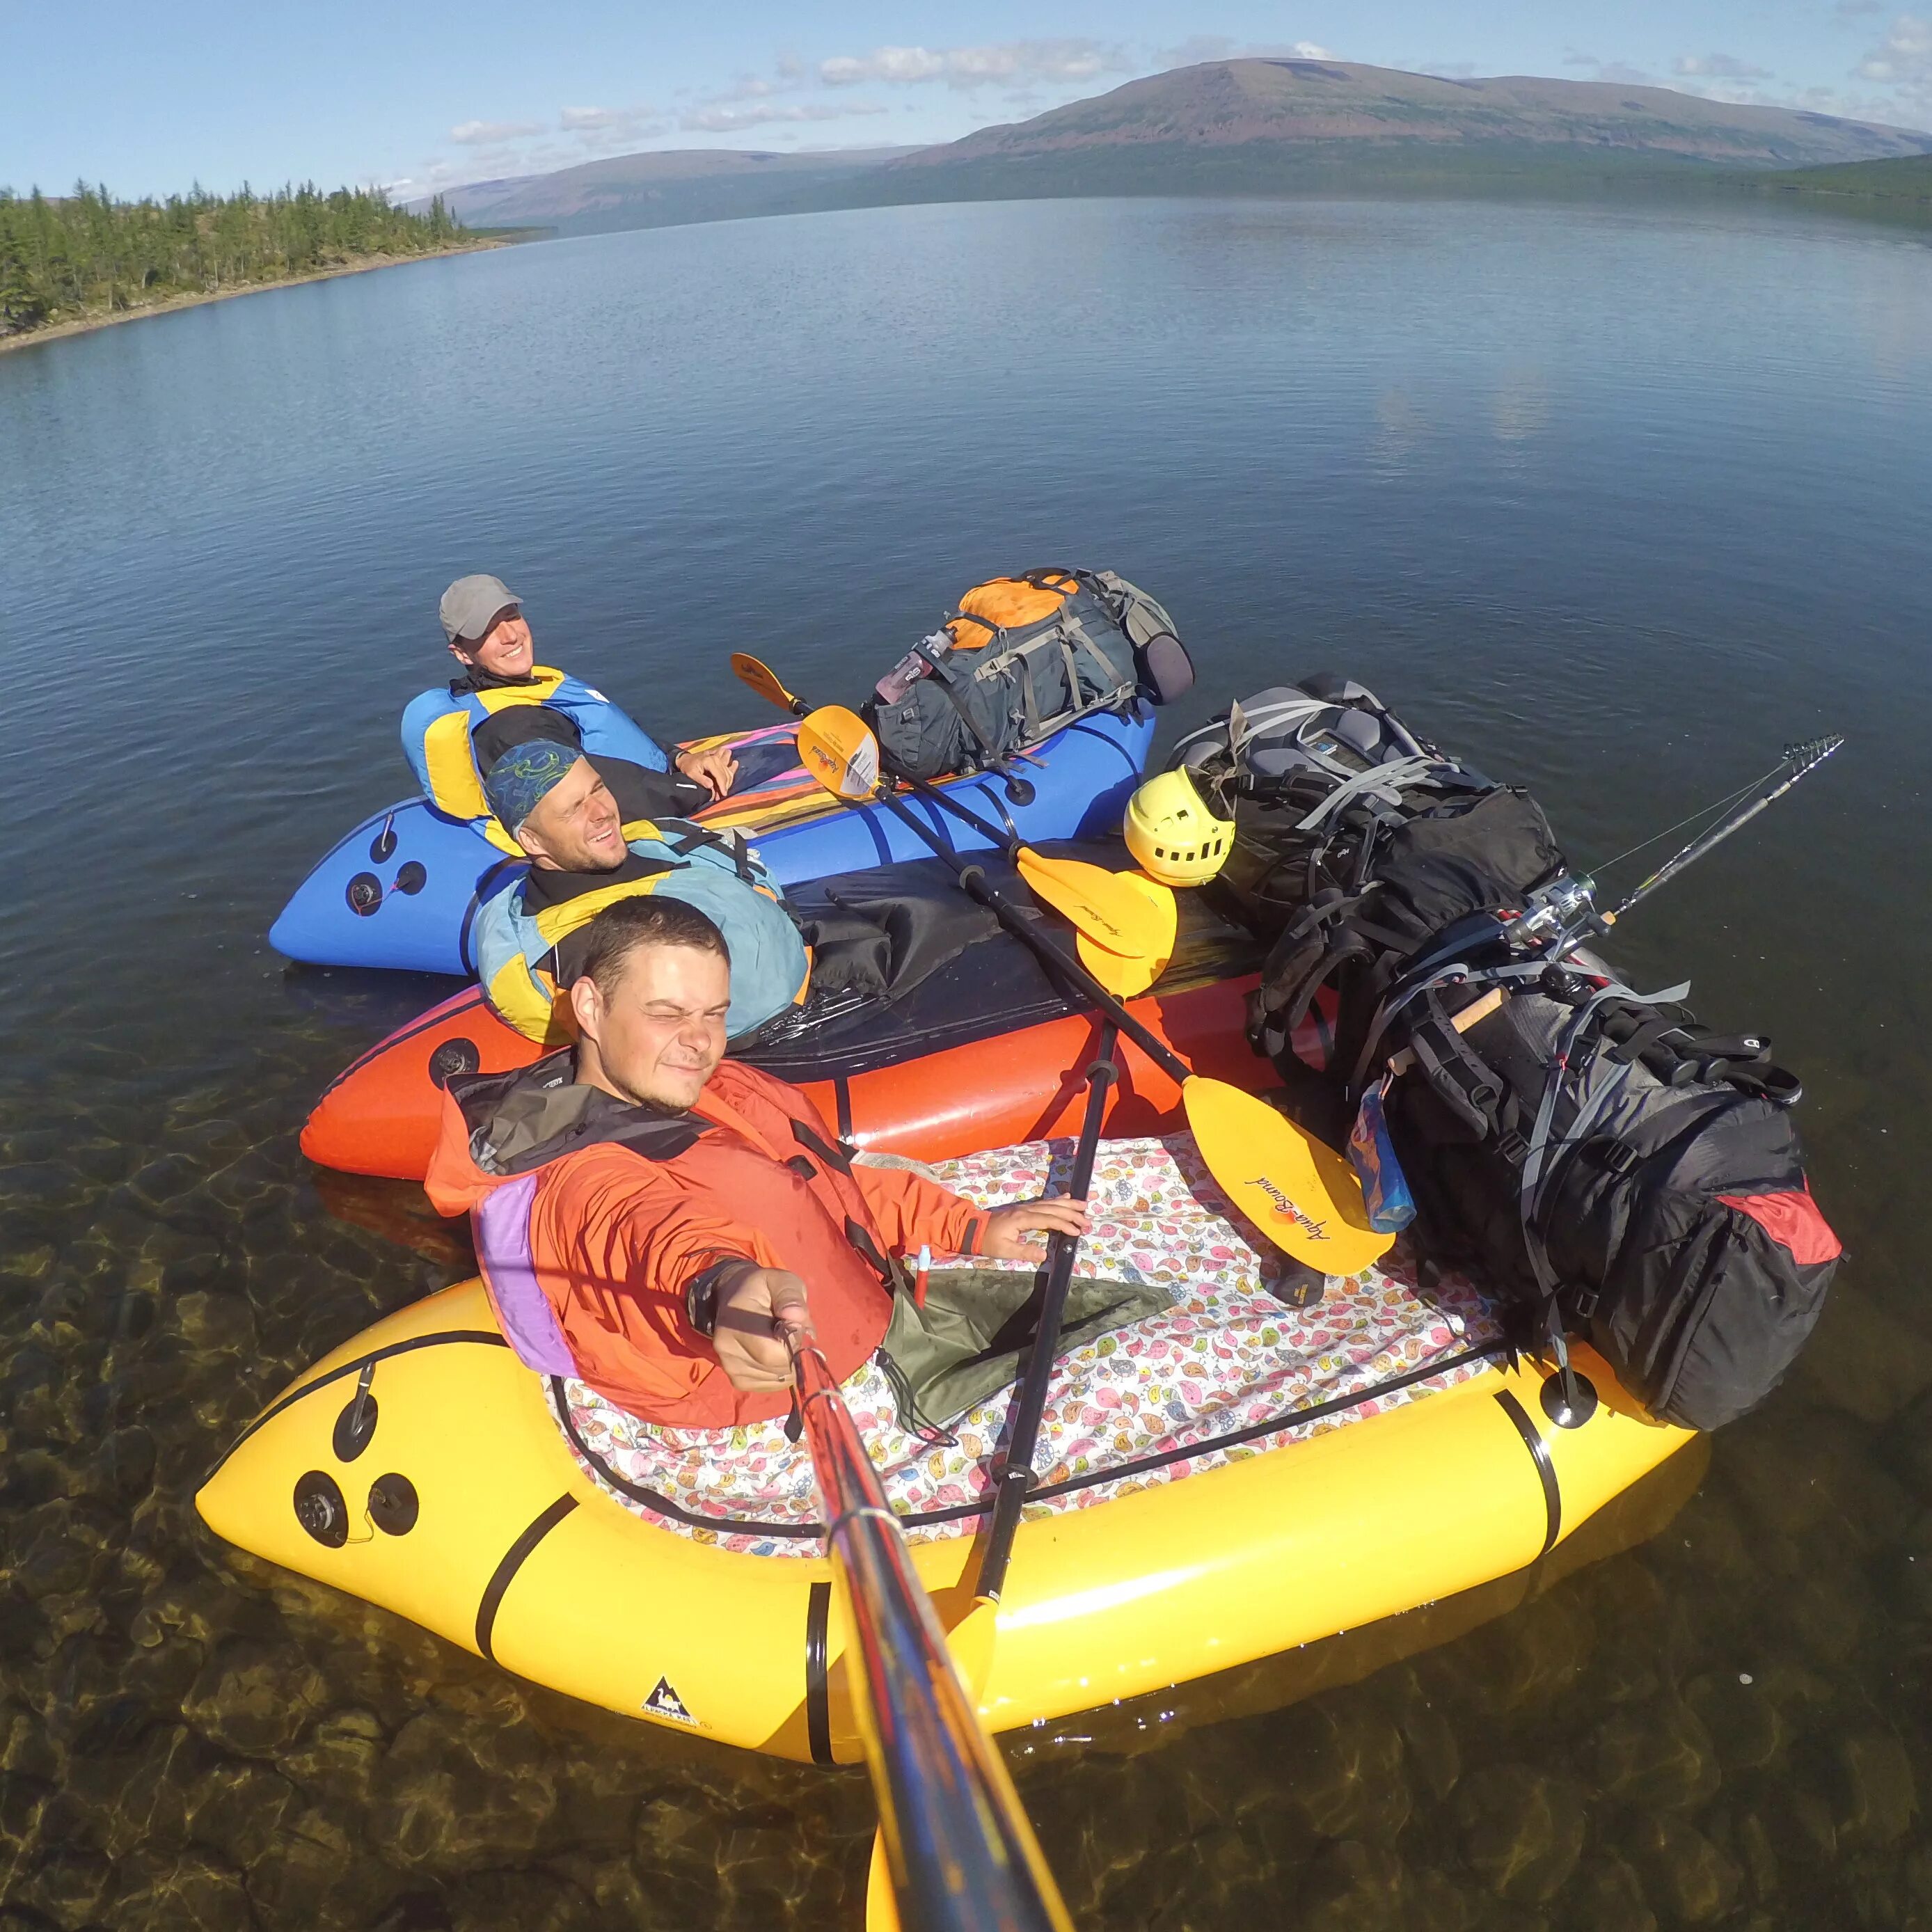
(453, 734)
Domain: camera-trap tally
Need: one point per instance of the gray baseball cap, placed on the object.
(470, 603)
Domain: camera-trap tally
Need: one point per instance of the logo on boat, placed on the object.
(663, 1701)
(1288, 1210)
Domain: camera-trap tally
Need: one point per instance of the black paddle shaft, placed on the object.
(1008, 842)
(975, 880)
(1016, 1473)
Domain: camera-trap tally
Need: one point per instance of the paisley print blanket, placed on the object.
(1154, 1402)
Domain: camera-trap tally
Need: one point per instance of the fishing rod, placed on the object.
(1566, 908)
(1799, 760)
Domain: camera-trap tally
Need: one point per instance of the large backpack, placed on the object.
(1570, 1147)
(1356, 841)
(1612, 1168)
(1316, 775)
(1020, 657)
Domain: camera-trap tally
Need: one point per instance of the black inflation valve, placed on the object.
(394, 1506)
(321, 1509)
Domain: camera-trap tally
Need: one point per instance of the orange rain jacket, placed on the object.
(618, 1231)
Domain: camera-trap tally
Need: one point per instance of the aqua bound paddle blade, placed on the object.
(1125, 974)
(758, 676)
(835, 747)
(1302, 1195)
(1107, 907)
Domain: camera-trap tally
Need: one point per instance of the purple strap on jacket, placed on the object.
(502, 1222)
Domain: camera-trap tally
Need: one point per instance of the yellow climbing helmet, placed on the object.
(1173, 834)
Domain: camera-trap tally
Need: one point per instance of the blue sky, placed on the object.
(148, 99)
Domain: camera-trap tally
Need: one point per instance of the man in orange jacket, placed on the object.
(644, 1208)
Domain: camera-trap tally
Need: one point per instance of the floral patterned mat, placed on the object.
(1229, 1354)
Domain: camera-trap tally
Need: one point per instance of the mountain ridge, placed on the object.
(1248, 126)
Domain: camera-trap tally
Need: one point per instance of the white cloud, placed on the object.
(1717, 66)
(490, 133)
(1009, 61)
(1620, 72)
(1198, 48)
(1904, 57)
(729, 120)
(1902, 62)
(599, 130)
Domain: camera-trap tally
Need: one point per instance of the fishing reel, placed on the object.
(1566, 907)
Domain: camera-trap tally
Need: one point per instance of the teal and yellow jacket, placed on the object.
(524, 933)
(441, 726)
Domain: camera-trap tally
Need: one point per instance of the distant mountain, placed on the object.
(661, 189)
(1244, 127)
(1247, 123)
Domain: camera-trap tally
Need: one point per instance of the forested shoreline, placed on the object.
(85, 256)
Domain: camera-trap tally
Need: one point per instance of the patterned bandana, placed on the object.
(519, 781)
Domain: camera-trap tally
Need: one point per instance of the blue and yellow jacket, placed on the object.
(524, 933)
(437, 728)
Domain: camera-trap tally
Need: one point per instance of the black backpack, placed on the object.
(1608, 1162)
(1609, 1166)
(1317, 776)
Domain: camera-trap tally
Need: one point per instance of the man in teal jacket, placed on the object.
(584, 856)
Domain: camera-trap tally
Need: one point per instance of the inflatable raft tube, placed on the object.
(401, 890)
(452, 1500)
(987, 1035)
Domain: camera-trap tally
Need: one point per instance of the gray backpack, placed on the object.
(1021, 657)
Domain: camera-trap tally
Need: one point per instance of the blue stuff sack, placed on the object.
(1372, 1154)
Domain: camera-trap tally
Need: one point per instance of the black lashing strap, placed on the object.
(513, 1560)
(1464, 1083)
(814, 1142)
(1546, 1468)
(888, 1271)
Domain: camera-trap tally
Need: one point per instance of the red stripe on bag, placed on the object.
(1792, 1219)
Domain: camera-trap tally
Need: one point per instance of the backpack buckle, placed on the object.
(1512, 1146)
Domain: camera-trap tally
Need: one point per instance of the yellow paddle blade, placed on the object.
(970, 1641)
(759, 677)
(836, 749)
(1302, 1195)
(1124, 975)
(1103, 904)
(882, 1911)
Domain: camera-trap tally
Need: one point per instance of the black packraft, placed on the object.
(1020, 657)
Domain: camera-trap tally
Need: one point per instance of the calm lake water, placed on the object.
(1615, 501)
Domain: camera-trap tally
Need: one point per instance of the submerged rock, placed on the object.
(316, 1872)
(1686, 1878)
(1352, 1887)
(1878, 1796)
(1745, 1724)
(1521, 1829)
(514, 1901)
(196, 1893)
(254, 1699)
(1605, 1895)
(1347, 1769)
(1658, 1755)
(340, 1758)
(239, 1810)
(437, 1809)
